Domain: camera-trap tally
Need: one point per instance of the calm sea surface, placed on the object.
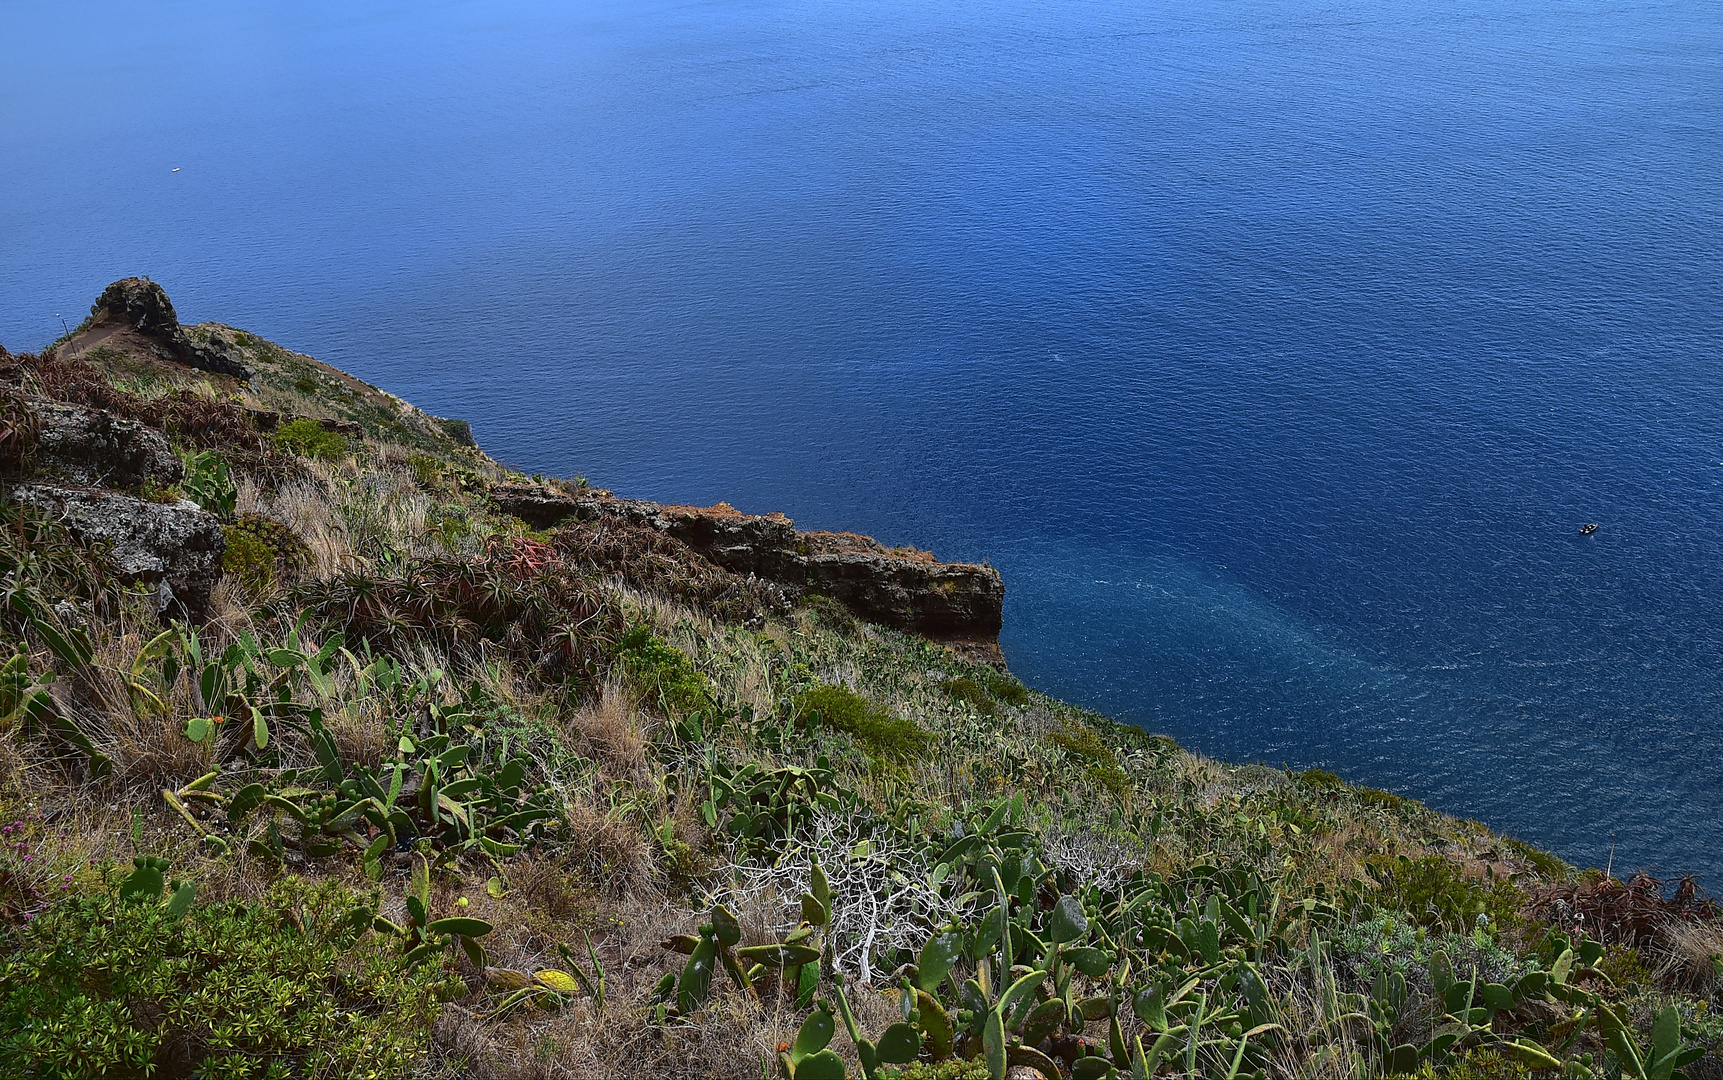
(1275, 351)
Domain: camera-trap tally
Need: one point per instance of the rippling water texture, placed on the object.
(1275, 351)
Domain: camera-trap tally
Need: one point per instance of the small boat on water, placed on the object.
(1588, 529)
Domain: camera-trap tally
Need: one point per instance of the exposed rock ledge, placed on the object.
(901, 587)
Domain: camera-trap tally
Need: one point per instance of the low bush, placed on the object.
(292, 985)
(1550, 866)
(1109, 778)
(1321, 780)
(970, 693)
(262, 554)
(881, 733)
(308, 438)
(1004, 687)
(1434, 890)
(427, 471)
(1082, 741)
(662, 673)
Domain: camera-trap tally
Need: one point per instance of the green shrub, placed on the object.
(1550, 866)
(832, 615)
(970, 693)
(309, 438)
(292, 985)
(1004, 687)
(1109, 778)
(1390, 942)
(955, 1068)
(1624, 966)
(450, 523)
(663, 673)
(1082, 741)
(1482, 1063)
(1370, 796)
(427, 471)
(262, 554)
(1321, 780)
(871, 724)
(1433, 890)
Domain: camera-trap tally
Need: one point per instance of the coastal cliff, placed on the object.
(332, 746)
(899, 587)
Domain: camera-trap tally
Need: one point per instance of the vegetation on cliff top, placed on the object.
(429, 792)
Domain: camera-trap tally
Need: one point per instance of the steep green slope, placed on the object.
(595, 806)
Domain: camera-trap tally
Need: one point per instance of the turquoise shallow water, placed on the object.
(1275, 351)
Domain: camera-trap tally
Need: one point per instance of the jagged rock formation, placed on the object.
(900, 587)
(175, 546)
(139, 308)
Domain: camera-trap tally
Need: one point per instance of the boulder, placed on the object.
(175, 546)
(901, 587)
(139, 303)
(94, 448)
(143, 306)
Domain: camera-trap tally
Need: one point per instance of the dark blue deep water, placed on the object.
(1274, 349)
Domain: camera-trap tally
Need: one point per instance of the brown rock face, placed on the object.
(898, 587)
(143, 307)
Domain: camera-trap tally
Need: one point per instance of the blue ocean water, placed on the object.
(1275, 350)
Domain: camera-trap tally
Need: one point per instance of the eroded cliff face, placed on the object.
(900, 587)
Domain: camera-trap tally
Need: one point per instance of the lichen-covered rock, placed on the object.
(173, 545)
(142, 305)
(94, 448)
(904, 588)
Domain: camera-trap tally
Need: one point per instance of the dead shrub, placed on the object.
(609, 730)
(605, 854)
(1692, 959)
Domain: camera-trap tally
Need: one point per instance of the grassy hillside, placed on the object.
(431, 793)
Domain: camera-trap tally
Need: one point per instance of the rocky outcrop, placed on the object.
(175, 546)
(143, 307)
(899, 587)
(94, 448)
